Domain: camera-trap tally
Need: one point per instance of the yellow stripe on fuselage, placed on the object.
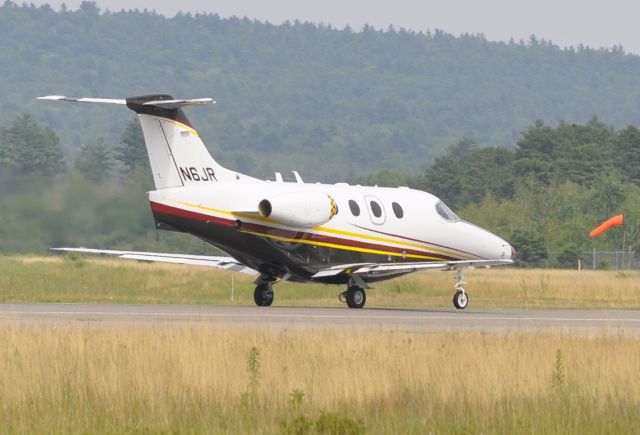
(343, 247)
(230, 213)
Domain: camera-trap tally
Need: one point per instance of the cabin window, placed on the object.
(446, 213)
(375, 209)
(397, 210)
(355, 208)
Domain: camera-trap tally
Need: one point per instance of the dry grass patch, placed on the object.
(79, 378)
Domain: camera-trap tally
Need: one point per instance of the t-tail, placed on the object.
(177, 155)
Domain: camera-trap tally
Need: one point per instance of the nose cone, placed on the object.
(505, 250)
(497, 248)
(485, 244)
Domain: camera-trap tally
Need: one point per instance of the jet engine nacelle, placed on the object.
(301, 210)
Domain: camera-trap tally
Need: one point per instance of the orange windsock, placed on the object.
(615, 221)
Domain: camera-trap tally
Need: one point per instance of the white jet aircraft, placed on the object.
(296, 231)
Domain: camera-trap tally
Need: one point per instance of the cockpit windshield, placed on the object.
(446, 212)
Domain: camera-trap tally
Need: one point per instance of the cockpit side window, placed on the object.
(446, 213)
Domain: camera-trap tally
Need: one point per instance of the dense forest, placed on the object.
(331, 103)
(533, 142)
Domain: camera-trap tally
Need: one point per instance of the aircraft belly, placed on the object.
(269, 255)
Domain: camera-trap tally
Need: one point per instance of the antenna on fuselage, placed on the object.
(298, 177)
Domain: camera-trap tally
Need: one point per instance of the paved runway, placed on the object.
(422, 320)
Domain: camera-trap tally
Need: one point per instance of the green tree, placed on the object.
(27, 148)
(386, 178)
(94, 161)
(530, 247)
(465, 174)
(626, 153)
(445, 178)
(132, 152)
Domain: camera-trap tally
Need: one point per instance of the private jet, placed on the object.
(292, 230)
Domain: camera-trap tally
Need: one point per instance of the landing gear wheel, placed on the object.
(342, 297)
(460, 300)
(356, 297)
(263, 295)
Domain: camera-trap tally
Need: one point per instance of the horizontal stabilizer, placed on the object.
(165, 104)
(83, 100)
(174, 104)
(227, 263)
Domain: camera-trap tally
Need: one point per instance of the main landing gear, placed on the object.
(355, 297)
(460, 298)
(263, 294)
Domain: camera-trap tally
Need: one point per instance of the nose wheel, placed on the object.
(460, 298)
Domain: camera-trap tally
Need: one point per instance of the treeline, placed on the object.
(547, 193)
(98, 200)
(332, 103)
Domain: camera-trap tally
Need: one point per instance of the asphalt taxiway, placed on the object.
(399, 319)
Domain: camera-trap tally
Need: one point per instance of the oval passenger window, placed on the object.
(375, 209)
(355, 208)
(397, 210)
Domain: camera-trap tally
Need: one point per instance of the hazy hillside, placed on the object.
(330, 103)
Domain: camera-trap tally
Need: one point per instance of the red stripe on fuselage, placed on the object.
(280, 232)
(188, 214)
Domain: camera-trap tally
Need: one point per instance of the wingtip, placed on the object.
(51, 97)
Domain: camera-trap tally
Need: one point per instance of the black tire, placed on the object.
(460, 300)
(263, 295)
(356, 297)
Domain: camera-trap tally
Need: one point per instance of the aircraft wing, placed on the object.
(367, 268)
(227, 263)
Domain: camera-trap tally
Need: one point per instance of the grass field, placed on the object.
(79, 378)
(90, 279)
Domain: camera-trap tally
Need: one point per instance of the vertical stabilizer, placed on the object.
(177, 155)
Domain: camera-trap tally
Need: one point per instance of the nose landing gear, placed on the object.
(460, 298)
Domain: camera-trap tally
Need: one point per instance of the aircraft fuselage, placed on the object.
(385, 225)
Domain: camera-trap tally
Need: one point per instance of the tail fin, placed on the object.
(177, 155)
